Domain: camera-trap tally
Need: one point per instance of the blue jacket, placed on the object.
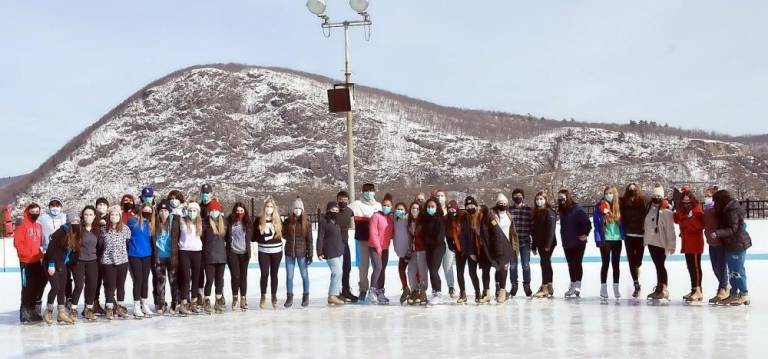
(140, 244)
(597, 219)
(574, 222)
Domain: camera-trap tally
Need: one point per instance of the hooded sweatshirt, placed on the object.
(659, 227)
(27, 239)
(50, 224)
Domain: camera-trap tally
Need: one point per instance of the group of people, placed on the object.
(186, 246)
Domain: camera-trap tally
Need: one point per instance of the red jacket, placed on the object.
(28, 239)
(691, 229)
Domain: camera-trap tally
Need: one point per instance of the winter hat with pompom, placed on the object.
(658, 190)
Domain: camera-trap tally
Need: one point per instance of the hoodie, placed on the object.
(50, 224)
(28, 238)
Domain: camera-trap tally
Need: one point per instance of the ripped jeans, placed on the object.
(738, 274)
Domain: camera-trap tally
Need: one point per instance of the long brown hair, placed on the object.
(568, 199)
(303, 223)
(538, 212)
(639, 196)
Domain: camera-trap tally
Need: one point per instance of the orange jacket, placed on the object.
(691, 229)
(28, 239)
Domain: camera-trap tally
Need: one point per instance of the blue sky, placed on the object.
(695, 64)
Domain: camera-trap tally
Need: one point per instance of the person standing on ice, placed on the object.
(574, 230)
(86, 246)
(165, 258)
(330, 247)
(690, 217)
(50, 220)
(344, 220)
(660, 238)
(716, 247)
(609, 234)
(453, 223)
(114, 262)
(206, 196)
(298, 251)
(449, 258)
(214, 255)
(190, 259)
(521, 215)
(28, 241)
(417, 265)
(381, 231)
(402, 241)
(142, 228)
(633, 210)
(544, 241)
(733, 232)
(364, 209)
(239, 237)
(268, 235)
(432, 224)
(470, 249)
(503, 244)
(58, 257)
(102, 219)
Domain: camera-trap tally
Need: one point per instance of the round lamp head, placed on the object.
(359, 5)
(316, 7)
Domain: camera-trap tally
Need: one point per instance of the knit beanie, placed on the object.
(214, 205)
(73, 216)
(658, 190)
(470, 201)
(298, 203)
(501, 198)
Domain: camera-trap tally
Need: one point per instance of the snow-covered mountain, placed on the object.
(253, 131)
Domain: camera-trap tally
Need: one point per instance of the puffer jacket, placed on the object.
(297, 244)
(543, 231)
(732, 230)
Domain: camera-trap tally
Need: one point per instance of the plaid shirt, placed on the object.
(523, 222)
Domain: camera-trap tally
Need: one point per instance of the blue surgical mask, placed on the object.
(205, 197)
(148, 200)
(609, 197)
(175, 203)
(55, 211)
(214, 214)
(441, 199)
(386, 209)
(369, 196)
(431, 211)
(400, 213)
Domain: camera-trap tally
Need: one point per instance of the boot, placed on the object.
(577, 287)
(550, 290)
(263, 301)
(571, 292)
(422, 297)
(305, 300)
(145, 308)
(137, 313)
(730, 298)
(48, 315)
(527, 289)
(697, 296)
(110, 312)
(200, 297)
(452, 292)
(219, 306)
(664, 292)
(513, 290)
(173, 309)
(363, 297)
(636, 292)
(687, 297)
(462, 298)
(347, 295)
(486, 296)
(34, 314)
(89, 314)
(160, 309)
(243, 303)
(62, 316)
(335, 300)
(541, 293)
(501, 296)
(184, 308)
(98, 309)
(741, 299)
(655, 294)
(207, 305)
(616, 291)
(73, 313)
(192, 306)
(288, 301)
(382, 298)
(121, 311)
(274, 301)
(405, 295)
(234, 302)
(604, 291)
(722, 293)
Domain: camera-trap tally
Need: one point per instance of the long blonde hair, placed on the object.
(276, 222)
(614, 214)
(151, 219)
(197, 222)
(218, 226)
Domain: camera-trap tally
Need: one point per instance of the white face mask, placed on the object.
(540, 202)
(175, 203)
(88, 219)
(102, 209)
(297, 211)
(414, 212)
(269, 211)
(192, 214)
(55, 211)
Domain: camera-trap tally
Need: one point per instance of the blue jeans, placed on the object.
(290, 264)
(738, 273)
(336, 266)
(525, 262)
(717, 257)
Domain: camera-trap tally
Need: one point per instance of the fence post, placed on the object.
(749, 215)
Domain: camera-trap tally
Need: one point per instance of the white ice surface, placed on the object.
(520, 328)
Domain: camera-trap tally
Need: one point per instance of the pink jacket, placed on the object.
(381, 232)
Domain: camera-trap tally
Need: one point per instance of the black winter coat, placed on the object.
(732, 230)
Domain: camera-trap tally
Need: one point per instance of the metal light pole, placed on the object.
(317, 7)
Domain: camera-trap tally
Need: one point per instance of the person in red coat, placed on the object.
(690, 217)
(28, 241)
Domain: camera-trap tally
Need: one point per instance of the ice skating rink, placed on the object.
(547, 328)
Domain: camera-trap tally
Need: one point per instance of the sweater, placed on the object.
(633, 217)
(140, 244)
(402, 237)
(267, 241)
(659, 228)
(297, 244)
(115, 244)
(605, 231)
(27, 239)
(543, 234)
(574, 222)
(363, 211)
(50, 224)
(711, 224)
(523, 222)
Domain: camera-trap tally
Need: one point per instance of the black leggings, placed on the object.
(114, 280)
(461, 264)
(610, 252)
(238, 273)
(693, 261)
(434, 260)
(86, 277)
(574, 257)
(58, 287)
(214, 272)
(139, 269)
(31, 279)
(659, 255)
(269, 264)
(635, 252)
(189, 272)
(545, 259)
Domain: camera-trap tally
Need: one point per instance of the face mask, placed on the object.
(269, 211)
(148, 200)
(147, 212)
(540, 202)
(55, 211)
(175, 203)
(214, 214)
(517, 200)
(608, 197)
(415, 212)
(88, 219)
(386, 209)
(631, 192)
(192, 215)
(369, 196)
(431, 211)
(239, 216)
(332, 215)
(127, 206)
(708, 201)
(561, 201)
(342, 204)
(400, 213)
(114, 218)
(101, 209)
(472, 210)
(205, 197)
(297, 212)
(501, 207)
(453, 213)
(441, 199)
(656, 200)
(34, 216)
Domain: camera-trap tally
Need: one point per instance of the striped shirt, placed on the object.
(268, 243)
